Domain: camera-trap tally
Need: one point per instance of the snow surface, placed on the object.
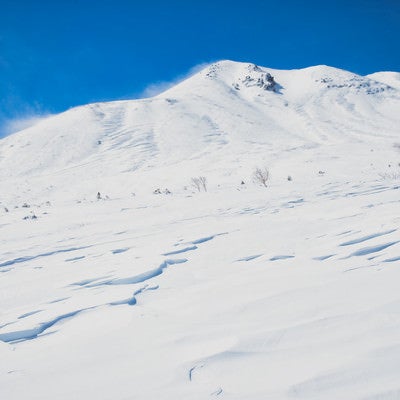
(390, 78)
(240, 292)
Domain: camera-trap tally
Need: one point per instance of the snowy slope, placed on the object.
(240, 292)
(387, 77)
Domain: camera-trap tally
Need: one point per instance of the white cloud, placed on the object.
(17, 124)
(158, 87)
(32, 117)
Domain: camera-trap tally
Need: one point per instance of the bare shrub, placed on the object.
(390, 175)
(261, 176)
(200, 183)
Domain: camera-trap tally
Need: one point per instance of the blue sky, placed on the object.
(58, 54)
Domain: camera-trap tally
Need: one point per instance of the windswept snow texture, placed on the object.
(143, 277)
(29, 258)
(365, 238)
(121, 279)
(33, 333)
(184, 250)
(373, 249)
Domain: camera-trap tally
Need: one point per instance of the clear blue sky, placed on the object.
(61, 53)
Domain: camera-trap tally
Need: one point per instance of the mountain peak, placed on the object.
(295, 85)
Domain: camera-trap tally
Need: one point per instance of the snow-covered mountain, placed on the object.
(224, 112)
(237, 292)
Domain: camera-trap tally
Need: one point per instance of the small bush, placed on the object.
(261, 176)
(390, 176)
(199, 183)
(30, 217)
